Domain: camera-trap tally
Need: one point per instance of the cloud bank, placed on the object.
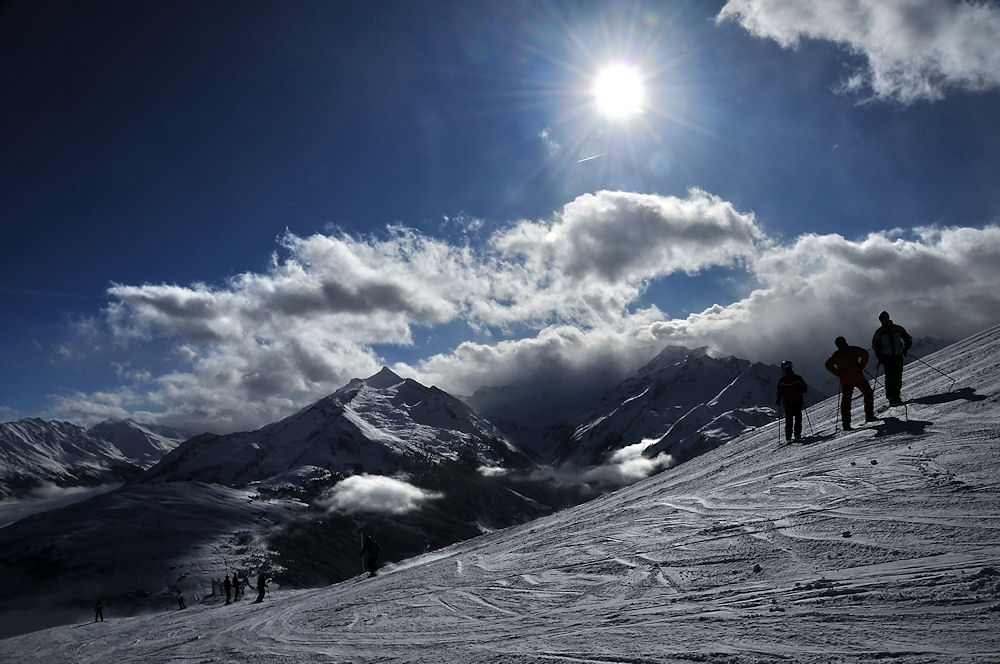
(553, 303)
(915, 50)
(374, 494)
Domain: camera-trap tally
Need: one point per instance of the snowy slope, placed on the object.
(382, 424)
(876, 545)
(35, 452)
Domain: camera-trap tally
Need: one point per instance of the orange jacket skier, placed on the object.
(848, 363)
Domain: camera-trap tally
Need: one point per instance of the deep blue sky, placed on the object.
(176, 142)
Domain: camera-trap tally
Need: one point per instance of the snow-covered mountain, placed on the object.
(408, 463)
(379, 425)
(143, 444)
(682, 402)
(35, 452)
(877, 544)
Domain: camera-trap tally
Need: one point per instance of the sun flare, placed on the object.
(619, 92)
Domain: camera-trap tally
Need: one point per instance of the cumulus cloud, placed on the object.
(260, 345)
(376, 494)
(914, 50)
(558, 295)
(628, 465)
(938, 282)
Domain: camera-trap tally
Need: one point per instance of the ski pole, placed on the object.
(836, 415)
(953, 381)
(812, 432)
(779, 423)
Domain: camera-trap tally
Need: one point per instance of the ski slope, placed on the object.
(880, 544)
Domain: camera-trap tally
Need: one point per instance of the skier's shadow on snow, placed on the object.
(892, 425)
(812, 440)
(967, 393)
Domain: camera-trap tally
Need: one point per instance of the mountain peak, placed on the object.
(383, 379)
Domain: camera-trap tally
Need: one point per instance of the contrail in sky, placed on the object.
(580, 161)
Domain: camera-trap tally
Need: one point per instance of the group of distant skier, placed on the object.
(891, 343)
(235, 585)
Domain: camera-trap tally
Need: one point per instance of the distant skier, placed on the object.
(791, 388)
(228, 586)
(261, 587)
(236, 586)
(369, 554)
(848, 363)
(99, 611)
(891, 342)
(180, 601)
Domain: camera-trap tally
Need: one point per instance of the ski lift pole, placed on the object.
(953, 381)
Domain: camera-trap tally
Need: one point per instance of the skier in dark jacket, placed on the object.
(369, 554)
(891, 342)
(791, 388)
(848, 363)
(228, 585)
(99, 611)
(261, 587)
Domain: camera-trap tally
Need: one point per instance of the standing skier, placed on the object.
(369, 554)
(228, 586)
(261, 587)
(848, 363)
(791, 387)
(890, 343)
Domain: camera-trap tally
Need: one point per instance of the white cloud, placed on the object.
(938, 282)
(612, 237)
(262, 345)
(376, 494)
(914, 49)
(628, 465)
(257, 347)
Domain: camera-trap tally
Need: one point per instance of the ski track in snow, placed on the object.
(879, 544)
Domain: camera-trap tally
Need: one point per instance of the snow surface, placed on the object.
(880, 544)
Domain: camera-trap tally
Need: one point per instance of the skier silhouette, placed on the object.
(228, 586)
(369, 554)
(180, 601)
(791, 387)
(891, 342)
(261, 587)
(848, 363)
(99, 611)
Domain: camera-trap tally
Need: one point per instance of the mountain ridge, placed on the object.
(872, 544)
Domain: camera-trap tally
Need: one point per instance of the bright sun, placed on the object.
(619, 92)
